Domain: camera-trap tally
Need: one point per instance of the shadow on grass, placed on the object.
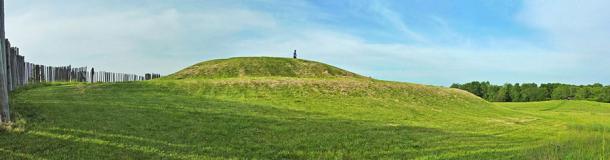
(276, 134)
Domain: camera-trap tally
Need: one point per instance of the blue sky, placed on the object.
(421, 41)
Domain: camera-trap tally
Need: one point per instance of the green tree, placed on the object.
(456, 85)
(561, 92)
(548, 87)
(503, 94)
(489, 90)
(596, 92)
(531, 92)
(515, 93)
(527, 92)
(474, 88)
(604, 95)
(583, 93)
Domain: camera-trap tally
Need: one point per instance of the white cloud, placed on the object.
(578, 29)
(581, 26)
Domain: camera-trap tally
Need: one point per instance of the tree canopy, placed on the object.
(527, 92)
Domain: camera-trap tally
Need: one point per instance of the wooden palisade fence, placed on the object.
(34, 73)
(15, 72)
(20, 73)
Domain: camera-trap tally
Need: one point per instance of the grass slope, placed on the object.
(261, 67)
(292, 117)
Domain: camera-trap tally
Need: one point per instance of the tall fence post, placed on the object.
(5, 116)
(13, 64)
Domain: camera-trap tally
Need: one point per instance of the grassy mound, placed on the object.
(261, 67)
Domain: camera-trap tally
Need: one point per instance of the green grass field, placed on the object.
(310, 111)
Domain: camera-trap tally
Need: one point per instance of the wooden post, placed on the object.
(5, 116)
(7, 50)
(43, 73)
(21, 71)
(18, 68)
(36, 72)
(40, 73)
(13, 68)
(28, 70)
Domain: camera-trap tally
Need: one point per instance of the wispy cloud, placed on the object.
(395, 20)
(135, 40)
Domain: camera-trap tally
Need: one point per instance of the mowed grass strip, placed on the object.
(584, 128)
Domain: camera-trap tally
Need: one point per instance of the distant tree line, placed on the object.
(527, 92)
